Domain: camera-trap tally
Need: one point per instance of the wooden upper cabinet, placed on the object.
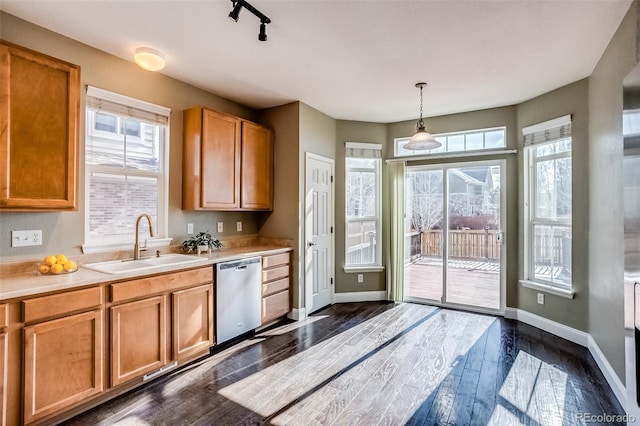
(39, 111)
(257, 167)
(227, 163)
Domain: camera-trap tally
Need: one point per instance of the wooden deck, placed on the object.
(469, 283)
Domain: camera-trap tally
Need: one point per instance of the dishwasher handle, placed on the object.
(241, 268)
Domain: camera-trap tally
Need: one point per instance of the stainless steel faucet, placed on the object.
(136, 247)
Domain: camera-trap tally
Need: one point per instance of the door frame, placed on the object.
(308, 291)
(445, 256)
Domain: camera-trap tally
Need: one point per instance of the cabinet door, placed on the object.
(192, 320)
(39, 109)
(138, 338)
(220, 157)
(62, 363)
(257, 167)
(275, 306)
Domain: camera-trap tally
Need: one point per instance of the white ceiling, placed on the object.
(353, 60)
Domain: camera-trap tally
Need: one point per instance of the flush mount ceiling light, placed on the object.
(422, 140)
(149, 59)
(264, 20)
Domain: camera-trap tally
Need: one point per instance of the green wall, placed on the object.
(571, 99)
(355, 131)
(606, 225)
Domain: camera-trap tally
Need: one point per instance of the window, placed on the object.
(472, 140)
(548, 211)
(126, 172)
(363, 205)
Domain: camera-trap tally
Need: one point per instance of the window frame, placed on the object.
(443, 151)
(376, 266)
(531, 216)
(115, 104)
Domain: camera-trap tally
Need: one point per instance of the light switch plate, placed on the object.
(239, 226)
(541, 298)
(26, 238)
(189, 228)
(360, 278)
(220, 226)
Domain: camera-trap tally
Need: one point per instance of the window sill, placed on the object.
(568, 294)
(360, 269)
(101, 248)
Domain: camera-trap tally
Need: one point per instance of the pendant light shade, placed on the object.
(422, 140)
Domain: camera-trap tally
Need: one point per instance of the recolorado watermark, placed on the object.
(606, 418)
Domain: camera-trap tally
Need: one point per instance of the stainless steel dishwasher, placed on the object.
(238, 298)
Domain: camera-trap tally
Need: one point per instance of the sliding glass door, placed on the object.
(453, 234)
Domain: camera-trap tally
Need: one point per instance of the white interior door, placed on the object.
(319, 245)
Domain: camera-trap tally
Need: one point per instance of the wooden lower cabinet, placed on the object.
(276, 283)
(138, 338)
(63, 363)
(192, 318)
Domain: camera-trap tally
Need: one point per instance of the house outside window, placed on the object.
(363, 169)
(548, 209)
(455, 142)
(126, 169)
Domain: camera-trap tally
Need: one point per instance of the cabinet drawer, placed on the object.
(59, 304)
(160, 284)
(275, 273)
(275, 260)
(275, 286)
(4, 315)
(275, 306)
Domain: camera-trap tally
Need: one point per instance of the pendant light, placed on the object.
(422, 140)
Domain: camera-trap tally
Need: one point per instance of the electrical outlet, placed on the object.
(540, 298)
(360, 278)
(220, 226)
(26, 238)
(239, 226)
(189, 228)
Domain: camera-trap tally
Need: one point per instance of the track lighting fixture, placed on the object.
(235, 13)
(264, 20)
(422, 140)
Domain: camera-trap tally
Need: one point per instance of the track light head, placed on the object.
(235, 13)
(263, 32)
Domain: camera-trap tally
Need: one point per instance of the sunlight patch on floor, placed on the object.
(315, 376)
(535, 389)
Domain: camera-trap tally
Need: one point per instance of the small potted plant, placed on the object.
(200, 243)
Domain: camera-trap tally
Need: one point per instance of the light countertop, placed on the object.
(20, 285)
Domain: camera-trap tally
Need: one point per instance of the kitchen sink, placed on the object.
(130, 265)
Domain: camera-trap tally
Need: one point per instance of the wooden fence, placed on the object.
(481, 244)
(467, 244)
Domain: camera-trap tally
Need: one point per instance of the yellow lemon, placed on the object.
(61, 259)
(50, 260)
(44, 268)
(70, 266)
(57, 268)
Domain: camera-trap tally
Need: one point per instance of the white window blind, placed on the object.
(103, 100)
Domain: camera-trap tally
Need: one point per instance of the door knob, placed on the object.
(310, 244)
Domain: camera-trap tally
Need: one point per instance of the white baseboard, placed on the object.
(297, 314)
(576, 336)
(571, 334)
(611, 376)
(359, 296)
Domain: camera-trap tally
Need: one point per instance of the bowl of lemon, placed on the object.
(56, 265)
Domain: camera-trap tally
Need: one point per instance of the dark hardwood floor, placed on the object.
(377, 363)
